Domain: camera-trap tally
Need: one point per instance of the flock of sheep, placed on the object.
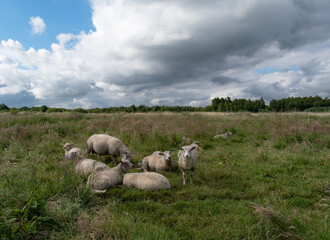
(100, 177)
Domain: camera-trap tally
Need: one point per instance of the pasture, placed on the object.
(269, 180)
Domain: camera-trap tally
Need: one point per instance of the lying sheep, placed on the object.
(101, 181)
(68, 148)
(103, 144)
(187, 157)
(147, 180)
(158, 161)
(84, 166)
(224, 136)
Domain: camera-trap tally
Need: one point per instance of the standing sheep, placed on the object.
(68, 148)
(101, 181)
(147, 180)
(187, 157)
(84, 166)
(103, 144)
(158, 161)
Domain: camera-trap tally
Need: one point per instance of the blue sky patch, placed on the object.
(60, 16)
(269, 70)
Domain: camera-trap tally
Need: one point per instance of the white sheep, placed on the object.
(146, 180)
(158, 161)
(224, 136)
(84, 166)
(103, 144)
(101, 181)
(187, 158)
(196, 144)
(68, 148)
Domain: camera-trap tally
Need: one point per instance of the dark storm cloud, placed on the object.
(20, 99)
(311, 68)
(266, 91)
(223, 80)
(183, 52)
(290, 23)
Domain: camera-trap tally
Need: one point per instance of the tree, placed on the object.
(43, 108)
(4, 107)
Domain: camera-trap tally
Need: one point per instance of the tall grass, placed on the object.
(269, 180)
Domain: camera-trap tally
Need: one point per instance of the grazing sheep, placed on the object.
(224, 136)
(103, 144)
(101, 181)
(147, 180)
(68, 148)
(187, 157)
(158, 161)
(85, 166)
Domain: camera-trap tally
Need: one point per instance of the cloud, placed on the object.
(178, 53)
(38, 25)
(223, 80)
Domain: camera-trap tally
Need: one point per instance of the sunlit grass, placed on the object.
(278, 161)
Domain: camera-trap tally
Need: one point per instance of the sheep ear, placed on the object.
(171, 150)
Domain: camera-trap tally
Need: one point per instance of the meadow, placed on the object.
(269, 180)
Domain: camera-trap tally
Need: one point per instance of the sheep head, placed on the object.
(166, 155)
(73, 156)
(68, 146)
(187, 151)
(126, 165)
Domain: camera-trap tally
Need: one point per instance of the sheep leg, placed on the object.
(191, 176)
(99, 157)
(183, 176)
(114, 159)
(89, 180)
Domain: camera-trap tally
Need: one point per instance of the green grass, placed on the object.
(269, 180)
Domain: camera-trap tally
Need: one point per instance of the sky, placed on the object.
(103, 53)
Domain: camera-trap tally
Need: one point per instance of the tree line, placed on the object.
(317, 104)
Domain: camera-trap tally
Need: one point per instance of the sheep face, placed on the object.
(67, 146)
(72, 156)
(127, 155)
(187, 151)
(229, 133)
(126, 164)
(167, 155)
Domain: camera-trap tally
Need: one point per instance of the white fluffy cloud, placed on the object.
(177, 53)
(37, 24)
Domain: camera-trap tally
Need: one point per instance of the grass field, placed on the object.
(269, 180)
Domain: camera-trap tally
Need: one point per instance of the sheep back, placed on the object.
(147, 180)
(104, 144)
(85, 167)
(102, 180)
(149, 163)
